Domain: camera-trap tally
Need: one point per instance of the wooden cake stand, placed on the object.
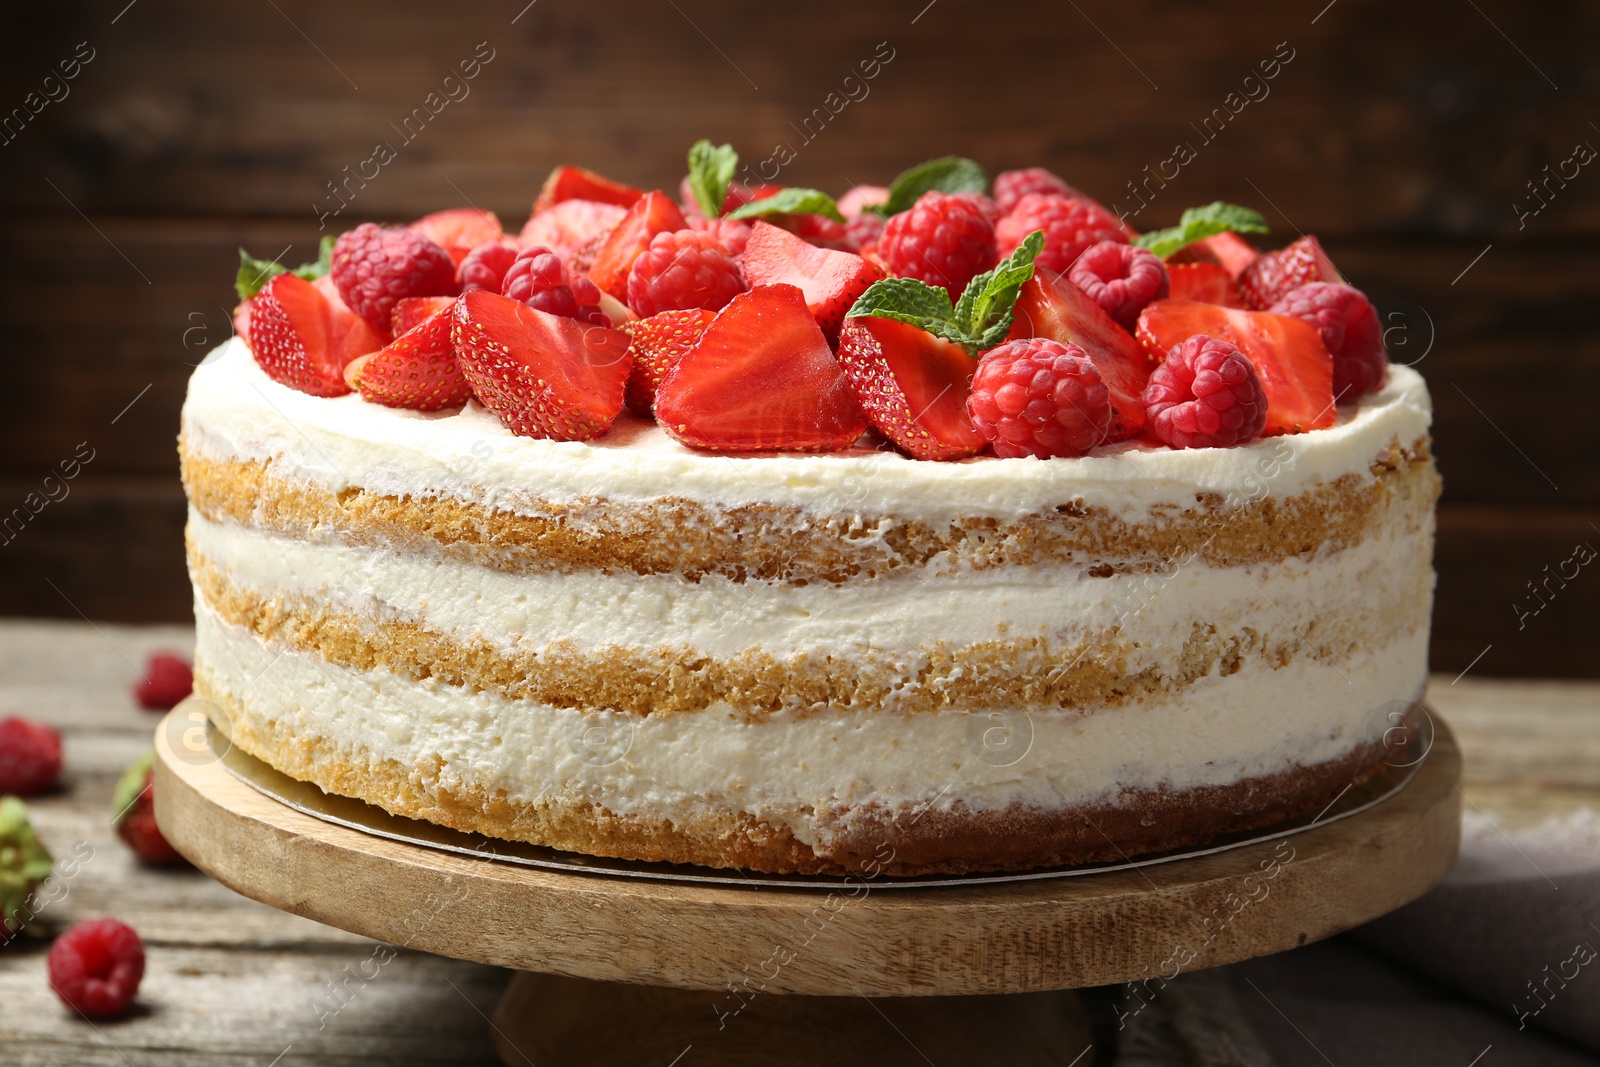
(630, 971)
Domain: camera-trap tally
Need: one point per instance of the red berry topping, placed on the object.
(412, 312)
(303, 340)
(866, 228)
(818, 230)
(1036, 397)
(30, 756)
(942, 240)
(167, 680)
(543, 375)
(732, 234)
(1287, 353)
(373, 266)
(629, 239)
(575, 183)
(537, 278)
(1070, 225)
(484, 268)
(1227, 250)
(1010, 186)
(1350, 331)
(658, 343)
(831, 280)
(570, 225)
(459, 230)
(1206, 394)
(1271, 276)
(760, 379)
(912, 385)
(96, 967)
(1209, 283)
(682, 270)
(134, 815)
(1120, 278)
(853, 205)
(1055, 308)
(417, 370)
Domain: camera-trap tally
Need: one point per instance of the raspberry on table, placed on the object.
(167, 680)
(731, 234)
(537, 278)
(485, 266)
(681, 270)
(941, 240)
(374, 266)
(1350, 330)
(1070, 226)
(1037, 397)
(1120, 278)
(1011, 186)
(96, 967)
(1206, 394)
(30, 756)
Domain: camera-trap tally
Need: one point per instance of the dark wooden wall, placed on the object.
(1403, 134)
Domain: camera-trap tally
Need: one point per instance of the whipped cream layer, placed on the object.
(234, 411)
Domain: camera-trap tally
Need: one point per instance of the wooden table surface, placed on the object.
(230, 980)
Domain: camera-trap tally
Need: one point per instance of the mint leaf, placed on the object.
(984, 310)
(1198, 223)
(791, 202)
(950, 174)
(915, 303)
(255, 273)
(711, 169)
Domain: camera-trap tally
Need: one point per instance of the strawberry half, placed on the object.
(301, 340)
(1055, 308)
(1209, 283)
(658, 342)
(543, 375)
(459, 230)
(653, 214)
(761, 379)
(1272, 276)
(576, 183)
(417, 370)
(412, 311)
(570, 225)
(912, 385)
(830, 280)
(1295, 368)
(1233, 252)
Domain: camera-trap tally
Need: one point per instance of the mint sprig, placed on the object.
(948, 174)
(979, 320)
(711, 170)
(791, 201)
(1198, 223)
(254, 273)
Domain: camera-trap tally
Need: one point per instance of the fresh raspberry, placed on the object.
(30, 756)
(1069, 226)
(167, 680)
(1206, 394)
(818, 230)
(485, 266)
(373, 266)
(537, 278)
(982, 202)
(1037, 397)
(1010, 186)
(941, 240)
(133, 815)
(1120, 278)
(1349, 326)
(96, 967)
(731, 234)
(681, 270)
(866, 228)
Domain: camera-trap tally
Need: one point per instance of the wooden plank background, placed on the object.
(1405, 136)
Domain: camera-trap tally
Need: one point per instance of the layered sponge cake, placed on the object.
(698, 641)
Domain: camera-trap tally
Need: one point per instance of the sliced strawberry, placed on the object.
(830, 280)
(576, 183)
(658, 342)
(1233, 252)
(349, 334)
(412, 311)
(912, 386)
(1295, 368)
(570, 225)
(653, 214)
(241, 319)
(543, 375)
(761, 379)
(459, 230)
(297, 340)
(1274, 274)
(417, 370)
(1209, 283)
(1055, 308)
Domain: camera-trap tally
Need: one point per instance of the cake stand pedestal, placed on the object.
(627, 971)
